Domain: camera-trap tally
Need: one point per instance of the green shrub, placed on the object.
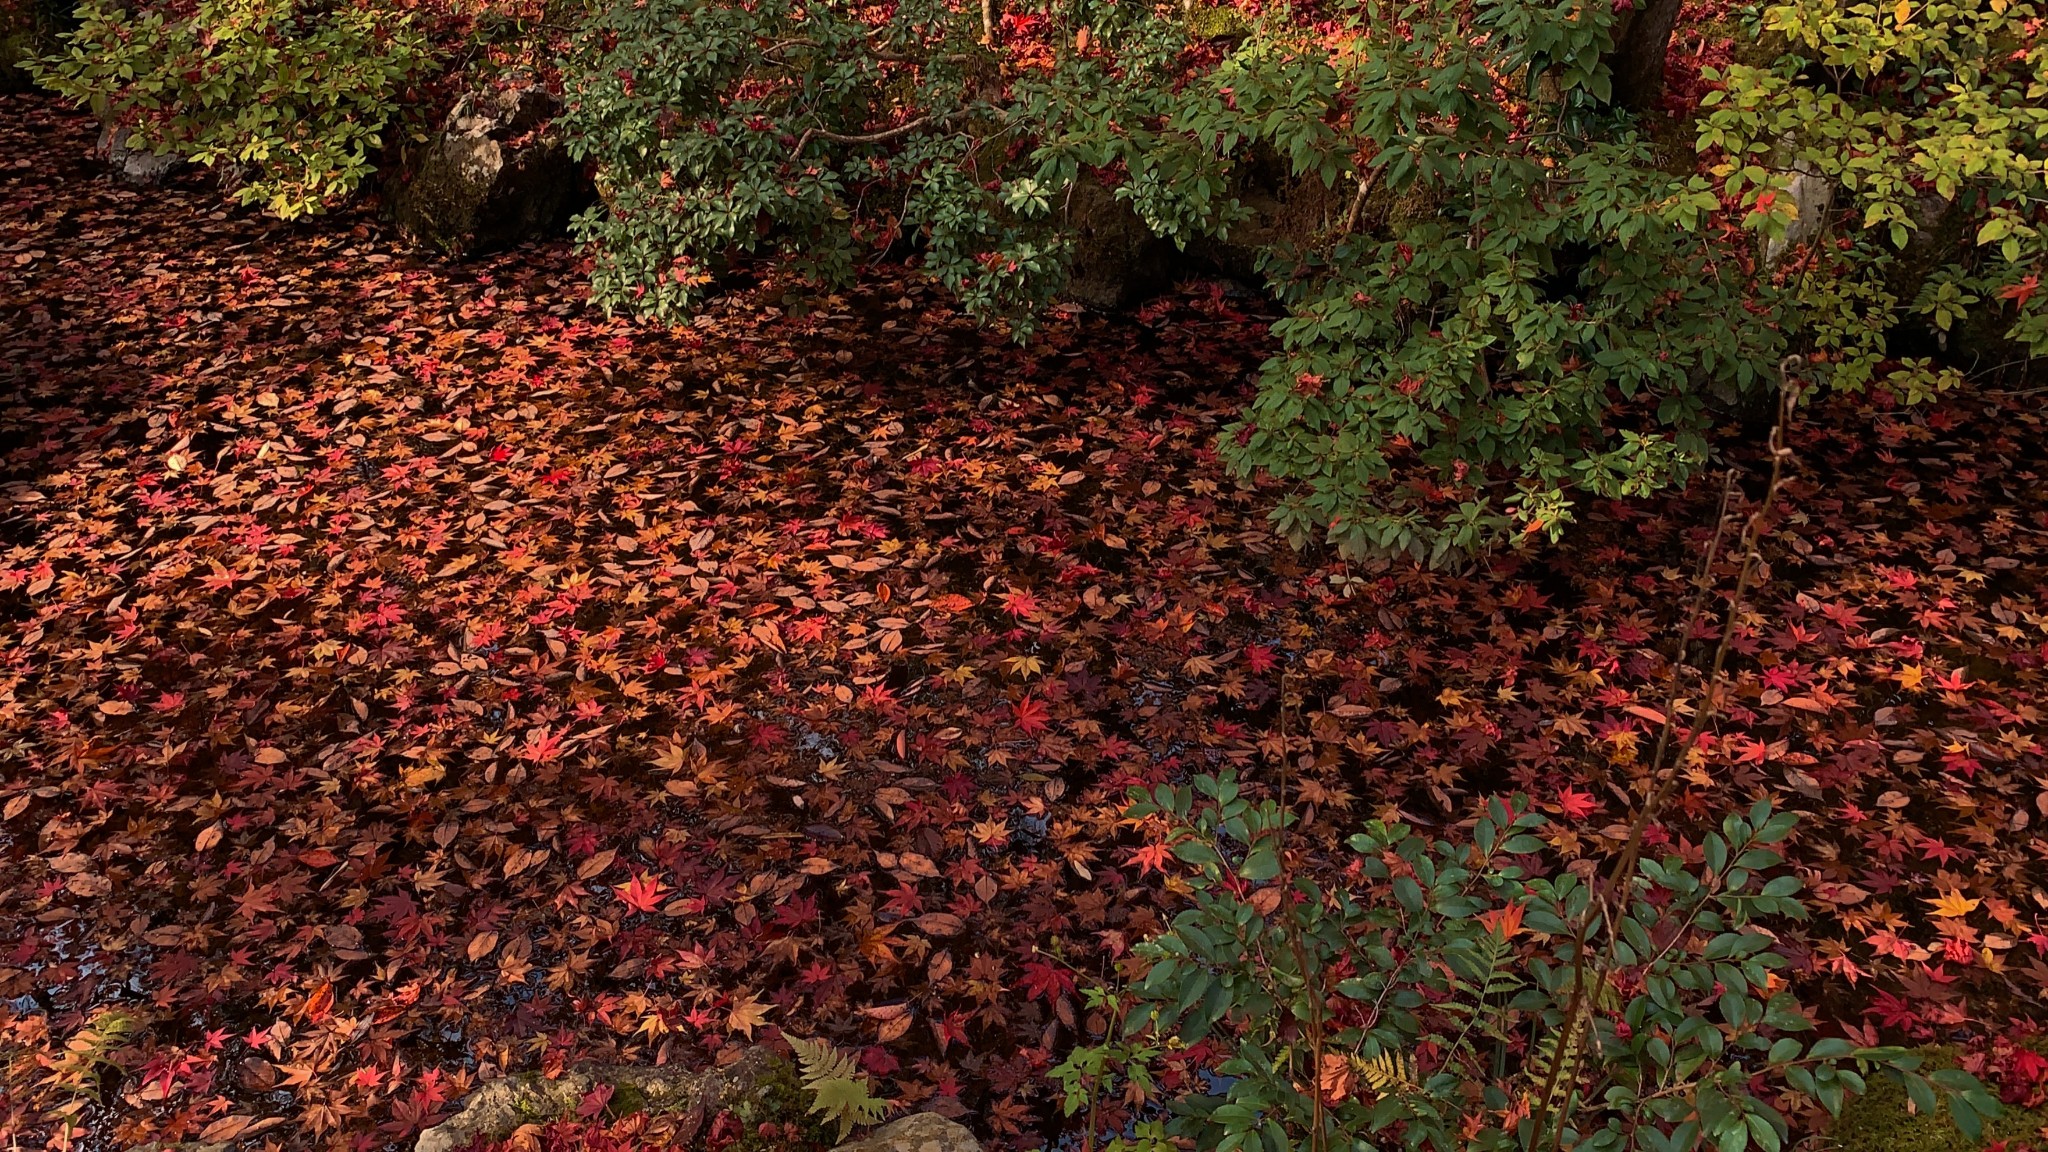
(291, 96)
(1545, 324)
(1522, 299)
(1932, 121)
(1452, 996)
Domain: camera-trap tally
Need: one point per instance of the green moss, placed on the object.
(1217, 22)
(530, 1109)
(778, 1098)
(626, 1100)
(1878, 1121)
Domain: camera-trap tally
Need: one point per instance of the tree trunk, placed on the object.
(1637, 62)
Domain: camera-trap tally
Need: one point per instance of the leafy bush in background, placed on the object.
(1534, 311)
(294, 97)
(1449, 996)
(719, 128)
(1519, 296)
(1931, 119)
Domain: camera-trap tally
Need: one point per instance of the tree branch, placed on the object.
(1365, 184)
(882, 137)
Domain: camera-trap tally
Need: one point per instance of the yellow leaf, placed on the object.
(748, 1015)
(1952, 905)
(1902, 13)
(1909, 676)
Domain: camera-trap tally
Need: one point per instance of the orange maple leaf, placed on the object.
(1952, 905)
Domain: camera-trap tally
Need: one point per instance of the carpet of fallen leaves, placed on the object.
(407, 675)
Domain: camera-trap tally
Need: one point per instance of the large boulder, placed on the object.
(922, 1132)
(496, 174)
(498, 1107)
(1118, 262)
(1944, 234)
(136, 167)
(1812, 196)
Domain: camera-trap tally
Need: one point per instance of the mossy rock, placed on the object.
(759, 1086)
(777, 1097)
(1879, 1122)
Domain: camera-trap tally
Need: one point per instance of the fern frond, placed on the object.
(839, 1090)
(1549, 1056)
(1387, 1071)
(77, 1070)
(819, 1060)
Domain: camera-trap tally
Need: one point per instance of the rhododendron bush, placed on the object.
(1524, 287)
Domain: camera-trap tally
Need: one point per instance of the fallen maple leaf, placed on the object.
(1335, 1079)
(642, 893)
(1952, 905)
(747, 1015)
(1150, 858)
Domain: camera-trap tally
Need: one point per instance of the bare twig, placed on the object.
(1318, 1139)
(1599, 915)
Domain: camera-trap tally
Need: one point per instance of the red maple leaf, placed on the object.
(1150, 858)
(1577, 805)
(594, 1101)
(1032, 715)
(1045, 982)
(642, 893)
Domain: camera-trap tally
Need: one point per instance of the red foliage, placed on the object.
(1702, 40)
(407, 675)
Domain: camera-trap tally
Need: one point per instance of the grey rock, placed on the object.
(134, 166)
(1812, 195)
(496, 174)
(923, 1132)
(498, 1107)
(1941, 228)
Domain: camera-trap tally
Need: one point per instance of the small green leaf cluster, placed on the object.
(291, 96)
(1471, 994)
